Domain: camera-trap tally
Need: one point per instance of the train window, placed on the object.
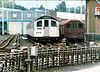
(46, 23)
(53, 24)
(39, 24)
(80, 25)
(75, 25)
(69, 25)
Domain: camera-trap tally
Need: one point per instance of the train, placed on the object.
(45, 28)
(73, 30)
(49, 29)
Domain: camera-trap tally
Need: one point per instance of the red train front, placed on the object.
(72, 30)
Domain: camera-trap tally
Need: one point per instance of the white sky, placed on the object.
(49, 4)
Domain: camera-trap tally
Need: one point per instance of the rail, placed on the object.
(12, 41)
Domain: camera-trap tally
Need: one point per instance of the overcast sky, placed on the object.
(49, 4)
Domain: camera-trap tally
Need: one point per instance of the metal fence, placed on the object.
(54, 57)
(13, 62)
(48, 57)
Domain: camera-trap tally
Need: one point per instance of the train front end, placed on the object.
(46, 29)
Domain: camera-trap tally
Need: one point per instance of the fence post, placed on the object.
(28, 59)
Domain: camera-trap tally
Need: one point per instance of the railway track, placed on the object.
(11, 42)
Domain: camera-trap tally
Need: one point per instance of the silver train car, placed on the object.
(44, 28)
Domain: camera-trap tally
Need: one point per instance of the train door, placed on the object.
(38, 29)
(46, 28)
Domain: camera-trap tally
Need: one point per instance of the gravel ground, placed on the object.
(24, 41)
(75, 68)
(2, 37)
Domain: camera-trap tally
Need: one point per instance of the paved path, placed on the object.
(90, 67)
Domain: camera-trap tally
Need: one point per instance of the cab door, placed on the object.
(38, 32)
(46, 28)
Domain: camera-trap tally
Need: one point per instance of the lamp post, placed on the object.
(13, 4)
(45, 7)
(22, 21)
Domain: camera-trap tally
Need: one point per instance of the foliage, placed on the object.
(61, 7)
(15, 6)
(40, 8)
(19, 7)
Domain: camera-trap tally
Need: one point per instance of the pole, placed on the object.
(36, 9)
(2, 18)
(45, 7)
(7, 23)
(75, 10)
(22, 21)
(87, 26)
(28, 65)
(81, 10)
(13, 4)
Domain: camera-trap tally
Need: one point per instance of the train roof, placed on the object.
(46, 17)
(66, 21)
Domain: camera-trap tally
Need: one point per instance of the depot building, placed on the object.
(14, 21)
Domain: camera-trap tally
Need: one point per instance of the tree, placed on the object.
(11, 5)
(61, 7)
(41, 7)
(19, 7)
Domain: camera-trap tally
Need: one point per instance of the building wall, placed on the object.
(15, 18)
(91, 4)
(15, 27)
(24, 27)
(65, 15)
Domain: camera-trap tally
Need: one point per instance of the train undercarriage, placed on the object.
(44, 39)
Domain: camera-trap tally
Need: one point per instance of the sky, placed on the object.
(49, 4)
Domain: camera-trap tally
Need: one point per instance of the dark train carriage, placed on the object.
(72, 30)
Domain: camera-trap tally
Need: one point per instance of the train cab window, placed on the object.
(80, 25)
(53, 24)
(39, 24)
(46, 23)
